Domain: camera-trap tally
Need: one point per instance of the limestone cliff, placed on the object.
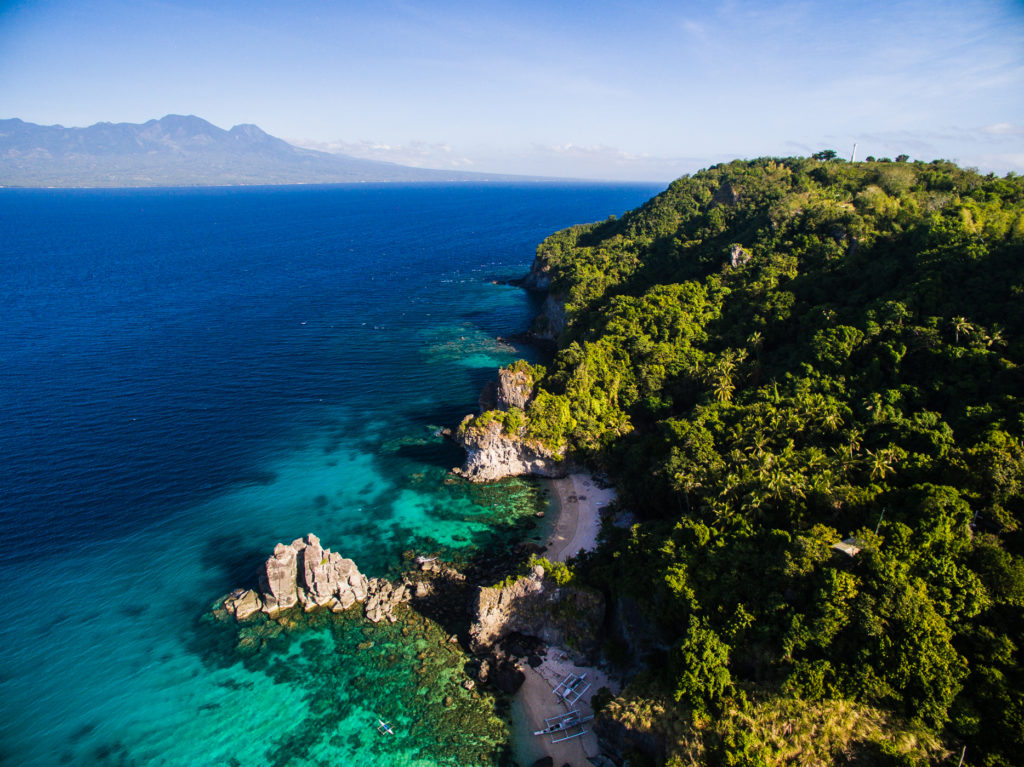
(552, 320)
(493, 454)
(566, 616)
(496, 442)
(539, 276)
(512, 388)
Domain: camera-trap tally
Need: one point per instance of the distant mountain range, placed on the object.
(182, 151)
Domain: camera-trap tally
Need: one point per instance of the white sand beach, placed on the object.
(536, 701)
(580, 501)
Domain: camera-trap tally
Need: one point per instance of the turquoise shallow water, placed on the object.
(191, 376)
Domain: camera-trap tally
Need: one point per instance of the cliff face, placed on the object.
(539, 276)
(551, 321)
(491, 454)
(495, 443)
(512, 388)
(566, 616)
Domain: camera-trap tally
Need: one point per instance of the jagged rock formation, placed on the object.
(384, 596)
(494, 449)
(738, 256)
(567, 616)
(307, 575)
(491, 454)
(512, 388)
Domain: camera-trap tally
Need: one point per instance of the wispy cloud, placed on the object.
(568, 160)
(1012, 160)
(417, 154)
(1004, 129)
(694, 29)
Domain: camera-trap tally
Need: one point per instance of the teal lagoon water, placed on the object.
(189, 377)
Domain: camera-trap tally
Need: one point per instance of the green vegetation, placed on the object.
(777, 731)
(559, 572)
(773, 356)
(512, 421)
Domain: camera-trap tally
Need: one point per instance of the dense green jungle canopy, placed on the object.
(771, 357)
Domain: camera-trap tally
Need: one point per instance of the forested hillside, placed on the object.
(772, 357)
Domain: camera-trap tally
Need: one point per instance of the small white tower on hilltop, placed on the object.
(853, 154)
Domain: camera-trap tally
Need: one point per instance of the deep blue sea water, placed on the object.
(188, 376)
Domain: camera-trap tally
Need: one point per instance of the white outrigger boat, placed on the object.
(572, 688)
(384, 728)
(563, 724)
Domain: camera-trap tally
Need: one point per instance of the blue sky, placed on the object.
(621, 90)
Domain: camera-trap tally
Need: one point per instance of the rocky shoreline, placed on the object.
(525, 630)
(514, 634)
(505, 623)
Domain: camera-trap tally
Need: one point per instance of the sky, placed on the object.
(598, 89)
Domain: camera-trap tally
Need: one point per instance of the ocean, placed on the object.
(190, 376)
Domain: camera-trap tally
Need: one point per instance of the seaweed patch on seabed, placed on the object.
(407, 672)
(500, 504)
(452, 343)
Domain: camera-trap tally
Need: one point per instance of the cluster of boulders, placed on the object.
(383, 597)
(501, 664)
(305, 574)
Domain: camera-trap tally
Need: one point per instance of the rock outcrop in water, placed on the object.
(496, 445)
(307, 575)
(493, 454)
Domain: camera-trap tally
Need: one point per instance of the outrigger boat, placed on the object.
(572, 688)
(563, 724)
(384, 728)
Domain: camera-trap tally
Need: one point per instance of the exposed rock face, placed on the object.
(384, 596)
(560, 615)
(551, 321)
(512, 388)
(539, 276)
(279, 583)
(738, 256)
(726, 195)
(302, 573)
(489, 397)
(491, 454)
(243, 604)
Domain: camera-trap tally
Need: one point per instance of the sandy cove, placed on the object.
(580, 501)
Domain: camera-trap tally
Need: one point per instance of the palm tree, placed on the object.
(996, 338)
(831, 420)
(880, 462)
(756, 342)
(724, 388)
(961, 325)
